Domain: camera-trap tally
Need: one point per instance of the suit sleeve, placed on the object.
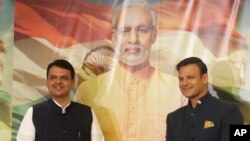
(233, 116)
(169, 134)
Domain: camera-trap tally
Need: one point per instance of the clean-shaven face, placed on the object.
(59, 82)
(192, 84)
(134, 35)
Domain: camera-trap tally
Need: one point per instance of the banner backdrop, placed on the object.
(6, 51)
(80, 31)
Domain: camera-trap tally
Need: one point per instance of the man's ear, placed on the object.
(46, 82)
(154, 36)
(74, 85)
(113, 35)
(205, 78)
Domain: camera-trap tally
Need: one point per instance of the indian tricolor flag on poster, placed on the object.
(70, 29)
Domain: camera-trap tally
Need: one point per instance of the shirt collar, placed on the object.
(201, 101)
(63, 108)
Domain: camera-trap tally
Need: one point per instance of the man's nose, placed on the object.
(58, 80)
(133, 36)
(184, 82)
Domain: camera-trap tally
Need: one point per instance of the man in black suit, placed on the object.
(204, 118)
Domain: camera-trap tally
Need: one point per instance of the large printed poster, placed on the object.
(6, 46)
(217, 31)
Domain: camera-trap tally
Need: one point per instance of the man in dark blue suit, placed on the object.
(204, 118)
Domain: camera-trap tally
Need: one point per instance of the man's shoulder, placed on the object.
(228, 110)
(178, 112)
(176, 116)
(223, 103)
(81, 106)
(41, 104)
(81, 109)
(225, 106)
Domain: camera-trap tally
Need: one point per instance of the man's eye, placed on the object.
(124, 30)
(191, 77)
(65, 78)
(51, 78)
(142, 30)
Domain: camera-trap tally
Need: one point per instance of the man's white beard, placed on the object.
(133, 59)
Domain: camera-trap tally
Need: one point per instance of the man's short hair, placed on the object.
(62, 64)
(127, 3)
(193, 60)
